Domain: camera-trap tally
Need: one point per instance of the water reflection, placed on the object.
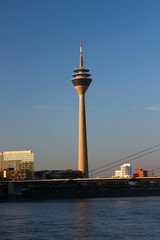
(84, 219)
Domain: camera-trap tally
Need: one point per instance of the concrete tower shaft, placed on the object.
(81, 82)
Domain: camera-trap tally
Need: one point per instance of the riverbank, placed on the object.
(78, 188)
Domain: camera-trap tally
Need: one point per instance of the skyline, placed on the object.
(39, 47)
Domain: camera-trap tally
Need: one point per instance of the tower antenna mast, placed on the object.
(81, 56)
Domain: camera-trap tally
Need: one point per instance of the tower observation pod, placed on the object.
(81, 81)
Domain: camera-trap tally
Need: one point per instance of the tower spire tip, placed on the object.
(81, 56)
(80, 44)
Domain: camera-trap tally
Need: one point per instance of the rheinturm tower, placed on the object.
(81, 81)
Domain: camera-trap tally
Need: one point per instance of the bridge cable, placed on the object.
(104, 170)
(122, 159)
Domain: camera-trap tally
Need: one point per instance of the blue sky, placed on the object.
(39, 48)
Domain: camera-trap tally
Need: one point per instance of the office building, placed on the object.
(124, 172)
(139, 172)
(17, 160)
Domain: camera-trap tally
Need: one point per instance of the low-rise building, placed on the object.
(58, 174)
(139, 172)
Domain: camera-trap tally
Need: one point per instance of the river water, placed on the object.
(86, 219)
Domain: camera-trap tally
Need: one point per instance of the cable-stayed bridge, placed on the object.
(128, 159)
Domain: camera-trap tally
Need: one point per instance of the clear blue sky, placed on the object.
(39, 48)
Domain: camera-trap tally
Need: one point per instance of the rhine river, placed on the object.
(84, 219)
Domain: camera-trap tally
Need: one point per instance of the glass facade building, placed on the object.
(17, 160)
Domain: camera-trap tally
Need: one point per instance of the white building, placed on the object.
(124, 172)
